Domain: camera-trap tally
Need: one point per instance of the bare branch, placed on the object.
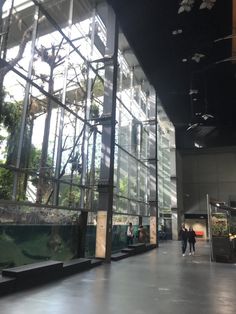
(25, 38)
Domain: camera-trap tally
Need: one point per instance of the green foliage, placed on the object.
(6, 183)
(11, 113)
(98, 88)
(34, 164)
(35, 158)
(219, 225)
(10, 120)
(123, 186)
(94, 111)
(69, 197)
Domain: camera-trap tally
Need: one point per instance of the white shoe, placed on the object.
(193, 253)
(183, 254)
(190, 253)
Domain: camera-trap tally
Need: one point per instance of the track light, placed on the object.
(192, 126)
(207, 4)
(198, 145)
(206, 116)
(193, 92)
(197, 57)
(177, 32)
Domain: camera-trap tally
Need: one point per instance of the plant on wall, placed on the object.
(187, 5)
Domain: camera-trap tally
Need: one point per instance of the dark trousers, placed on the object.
(129, 240)
(191, 246)
(184, 245)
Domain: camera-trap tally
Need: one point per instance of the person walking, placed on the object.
(191, 240)
(183, 235)
(130, 234)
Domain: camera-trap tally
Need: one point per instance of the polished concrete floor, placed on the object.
(160, 281)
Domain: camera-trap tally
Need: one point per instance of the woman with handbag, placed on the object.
(130, 234)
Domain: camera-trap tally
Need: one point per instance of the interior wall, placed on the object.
(208, 171)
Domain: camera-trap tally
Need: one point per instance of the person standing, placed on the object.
(183, 235)
(191, 240)
(130, 234)
(142, 234)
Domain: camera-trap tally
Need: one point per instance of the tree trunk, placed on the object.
(43, 160)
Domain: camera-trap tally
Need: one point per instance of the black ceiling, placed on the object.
(149, 26)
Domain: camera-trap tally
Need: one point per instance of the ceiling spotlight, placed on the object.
(198, 145)
(192, 126)
(198, 114)
(177, 32)
(185, 5)
(207, 116)
(184, 60)
(194, 99)
(207, 4)
(193, 91)
(197, 57)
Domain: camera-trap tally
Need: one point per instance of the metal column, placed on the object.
(106, 182)
(26, 102)
(153, 180)
(85, 142)
(62, 113)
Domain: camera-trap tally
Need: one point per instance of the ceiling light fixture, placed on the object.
(192, 126)
(197, 57)
(184, 60)
(207, 4)
(206, 116)
(193, 91)
(187, 5)
(198, 145)
(177, 32)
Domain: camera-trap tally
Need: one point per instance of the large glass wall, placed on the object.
(132, 170)
(50, 149)
(165, 172)
(52, 74)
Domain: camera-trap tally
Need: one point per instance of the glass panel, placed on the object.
(50, 110)
(50, 132)
(132, 134)
(29, 235)
(119, 229)
(164, 171)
